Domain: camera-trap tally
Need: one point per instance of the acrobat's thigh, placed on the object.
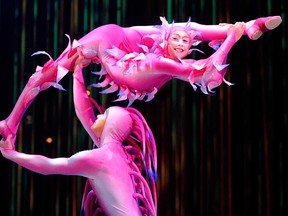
(111, 35)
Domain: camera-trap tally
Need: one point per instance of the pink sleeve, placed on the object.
(77, 164)
(83, 107)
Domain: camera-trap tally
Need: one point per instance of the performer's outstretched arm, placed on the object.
(77, 164)
(83, 107)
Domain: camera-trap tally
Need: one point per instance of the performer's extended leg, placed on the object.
(40, 80)
(253, 29)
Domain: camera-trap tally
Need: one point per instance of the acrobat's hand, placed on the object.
(238, 29)
(7, 144)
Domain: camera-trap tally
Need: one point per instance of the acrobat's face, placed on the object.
(179, 44)
(98, 125)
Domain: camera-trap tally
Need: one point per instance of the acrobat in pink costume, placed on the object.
(135, 61)
(126, 150)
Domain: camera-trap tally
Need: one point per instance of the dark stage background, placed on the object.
(221, 154)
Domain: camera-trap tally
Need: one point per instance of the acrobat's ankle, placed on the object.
(262, 25)
(4, 129)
